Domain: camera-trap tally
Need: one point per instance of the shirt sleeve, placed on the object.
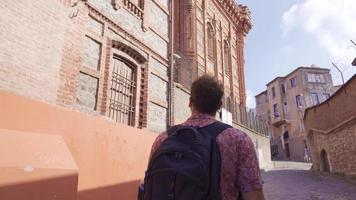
(248, 171)
(160, 138)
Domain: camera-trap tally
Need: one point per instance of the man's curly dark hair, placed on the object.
(206, 94)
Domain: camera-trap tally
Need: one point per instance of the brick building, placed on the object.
(94, 56)
(283, 105)
(331, 129)
(95, 78)
(113, 58)
(209, 38)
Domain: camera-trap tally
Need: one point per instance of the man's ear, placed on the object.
(220, 105)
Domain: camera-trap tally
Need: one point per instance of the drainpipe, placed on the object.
(171, 67)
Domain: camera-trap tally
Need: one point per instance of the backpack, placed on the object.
(186, 166)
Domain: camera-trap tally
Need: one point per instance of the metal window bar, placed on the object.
(122, 97)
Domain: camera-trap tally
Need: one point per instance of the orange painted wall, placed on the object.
(111, 157)
(36, 167)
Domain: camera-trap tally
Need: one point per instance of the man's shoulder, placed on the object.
(234, 134)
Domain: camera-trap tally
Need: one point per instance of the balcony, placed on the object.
(133, 8)
(279, 121)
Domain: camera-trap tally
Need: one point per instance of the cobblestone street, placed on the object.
(301, 184)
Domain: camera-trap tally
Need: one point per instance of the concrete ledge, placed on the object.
(36, 167)
(291, 165)
(111, 157)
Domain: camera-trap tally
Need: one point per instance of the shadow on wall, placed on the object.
(58, 188)
(65, 188)
(122, 191)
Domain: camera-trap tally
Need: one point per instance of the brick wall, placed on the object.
(63, 54)
(340, 148)
(32, 38)
(331, 126)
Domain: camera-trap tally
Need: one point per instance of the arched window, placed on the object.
(211, 42)
(122, 91)
(227, 58)
(229, 104)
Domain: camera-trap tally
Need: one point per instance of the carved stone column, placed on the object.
(116, 4)
(146, 15)
(243, 28)
(189, 21)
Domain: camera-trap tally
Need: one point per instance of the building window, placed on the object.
(293, 82)
(227, 59)
(283, 88)
(211, 42)
(301, 125)
(122, 92)
(269, 116)
(285, 107)
(316, 78)
(326, 95)
(320, 78)
(275, 110)
(229, 104)
(298, 100)
(273, 92)
(314, 98)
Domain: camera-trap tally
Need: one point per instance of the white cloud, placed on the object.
(332, 23)
(250, 99)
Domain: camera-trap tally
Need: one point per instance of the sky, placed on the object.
(287, 34)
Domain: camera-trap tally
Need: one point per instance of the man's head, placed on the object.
(206, 95)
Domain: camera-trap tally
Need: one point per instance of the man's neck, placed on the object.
(195, 113)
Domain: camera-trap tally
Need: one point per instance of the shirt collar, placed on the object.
(200, 120)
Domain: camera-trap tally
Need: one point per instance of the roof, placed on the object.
(297, 69)
(261, 93)
(353, 78)
(354, 62)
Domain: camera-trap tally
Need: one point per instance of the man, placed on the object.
(239, 166)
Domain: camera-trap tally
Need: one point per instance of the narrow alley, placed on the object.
(294, 181)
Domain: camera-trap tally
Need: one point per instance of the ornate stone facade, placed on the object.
(209, 38)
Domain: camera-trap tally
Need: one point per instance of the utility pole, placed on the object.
(353, 42)
(354, 61)
(342, 76)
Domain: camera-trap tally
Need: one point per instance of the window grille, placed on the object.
(123, 89)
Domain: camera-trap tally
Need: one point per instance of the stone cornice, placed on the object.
(245, 23)
(240, 14)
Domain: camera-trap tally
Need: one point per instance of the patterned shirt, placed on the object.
(239, 165)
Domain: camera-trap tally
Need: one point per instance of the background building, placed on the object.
(331, 129)
(283, 104)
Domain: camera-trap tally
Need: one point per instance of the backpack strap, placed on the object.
(173, 129)
(215, 129)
